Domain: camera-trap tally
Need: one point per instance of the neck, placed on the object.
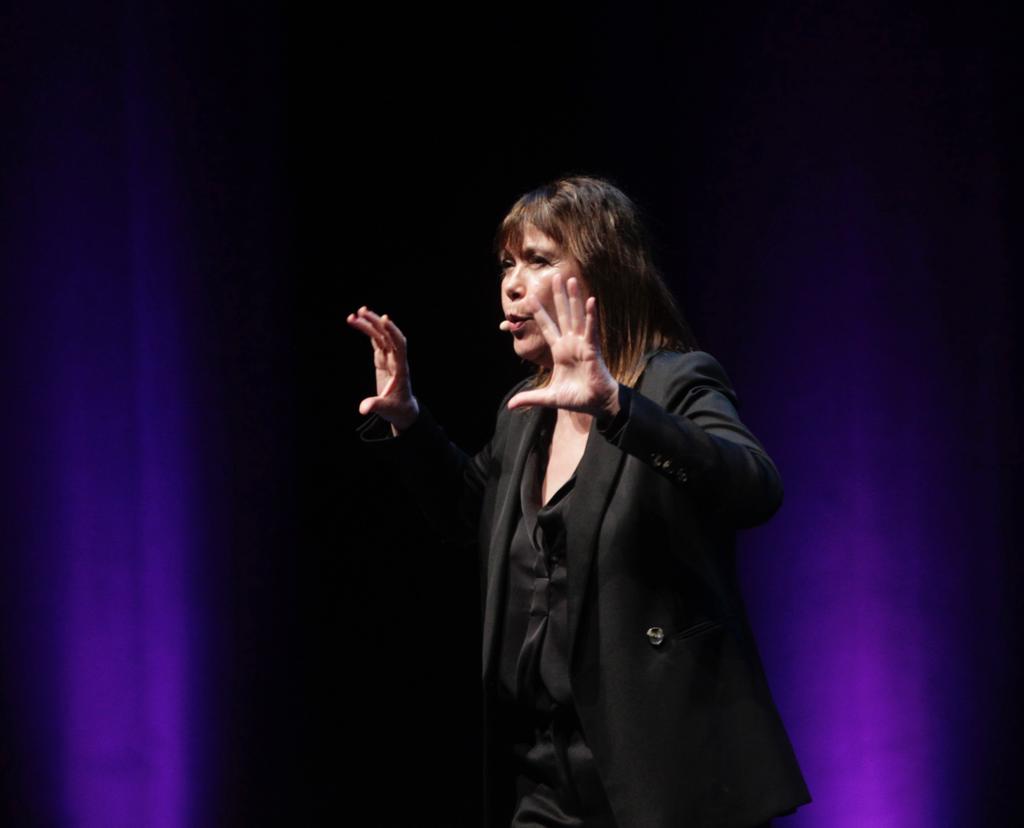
(575, 420)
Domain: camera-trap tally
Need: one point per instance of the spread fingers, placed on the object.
(369, 323)
(576, 311)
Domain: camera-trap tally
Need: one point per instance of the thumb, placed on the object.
(368, 406)
(527, 398)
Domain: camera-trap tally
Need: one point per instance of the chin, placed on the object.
(537, 355)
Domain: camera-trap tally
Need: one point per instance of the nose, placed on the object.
(515, 285)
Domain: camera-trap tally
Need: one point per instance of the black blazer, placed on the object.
(665, 674)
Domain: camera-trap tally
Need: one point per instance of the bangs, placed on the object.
(535, 208)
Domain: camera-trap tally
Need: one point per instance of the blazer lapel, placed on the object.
(524, 432)
(595, 480)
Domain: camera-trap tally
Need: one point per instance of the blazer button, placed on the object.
(656, 635)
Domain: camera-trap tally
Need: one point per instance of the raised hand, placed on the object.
(580, 380)
(394, 401)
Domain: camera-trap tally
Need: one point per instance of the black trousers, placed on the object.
(556, 780)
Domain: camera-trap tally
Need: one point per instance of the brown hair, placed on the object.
(600, 226)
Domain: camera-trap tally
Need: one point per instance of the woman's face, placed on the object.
(527, 273)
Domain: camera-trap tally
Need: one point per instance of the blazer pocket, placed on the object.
(704, 626)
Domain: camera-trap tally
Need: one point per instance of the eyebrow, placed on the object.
(529, 251)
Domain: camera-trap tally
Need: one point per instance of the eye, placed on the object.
(539, 260)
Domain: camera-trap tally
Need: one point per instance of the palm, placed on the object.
(580, 381)
(394, 400)
(390, 371)
(576, 369)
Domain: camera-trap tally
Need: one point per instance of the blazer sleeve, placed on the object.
(697, 441)
(446, 482)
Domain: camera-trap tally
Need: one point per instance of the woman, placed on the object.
(622, 684)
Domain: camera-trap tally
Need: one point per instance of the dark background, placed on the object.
(217, 611)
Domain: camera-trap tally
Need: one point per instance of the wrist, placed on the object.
(404, 420)
(610, 406)
(612, 427)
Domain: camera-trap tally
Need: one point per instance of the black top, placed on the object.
(534, 668)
